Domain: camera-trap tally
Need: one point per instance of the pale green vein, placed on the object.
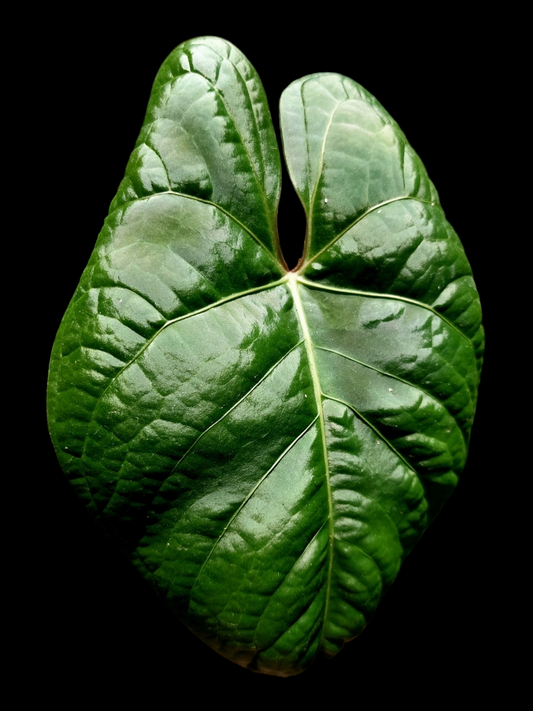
(258, 145)
(232, 217)
(319, 172)
(206, 202)
(282, 582)
(302, 612)
(247, 498)
(175, 255)
(232, 119)
(192, 314)
(293, 285)
(226, 300)
(235, 405)
(151, 147)
(306, 263)
(380, 295)
(416, 386)
(375, 429)
(218, 421)
(308, 162)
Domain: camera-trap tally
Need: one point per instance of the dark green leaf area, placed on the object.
(157, 262)
(208, 134)
(264, 569)
(257, 567)
(138, 434)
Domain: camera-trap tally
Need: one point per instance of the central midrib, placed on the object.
(293, 282)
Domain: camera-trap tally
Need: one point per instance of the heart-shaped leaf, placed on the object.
(268, 445)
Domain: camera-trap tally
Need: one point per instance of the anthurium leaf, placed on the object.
(268, 445)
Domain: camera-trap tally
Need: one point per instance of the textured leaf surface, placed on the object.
(267, 446)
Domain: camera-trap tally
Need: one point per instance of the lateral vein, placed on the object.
(416, 386)
(247, 498)
(379, 295)
(112, 380)
(358, 219)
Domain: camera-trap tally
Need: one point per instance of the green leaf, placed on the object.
(268, 445)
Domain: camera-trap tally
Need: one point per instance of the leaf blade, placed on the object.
(268, 446)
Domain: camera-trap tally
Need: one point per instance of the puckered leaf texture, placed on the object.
(268, 445)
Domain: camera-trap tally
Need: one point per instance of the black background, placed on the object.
(94, 626)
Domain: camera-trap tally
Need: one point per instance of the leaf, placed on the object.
(268, 445)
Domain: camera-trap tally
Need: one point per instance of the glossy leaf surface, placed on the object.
(267, 446)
